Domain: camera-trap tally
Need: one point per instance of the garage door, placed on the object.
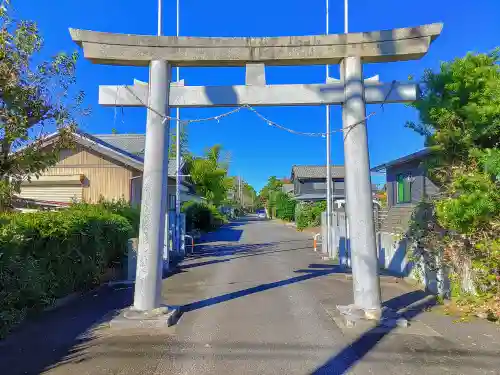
(55, 189)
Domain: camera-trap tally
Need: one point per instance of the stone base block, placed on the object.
(162, 317)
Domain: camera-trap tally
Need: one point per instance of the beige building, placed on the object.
(108, 166)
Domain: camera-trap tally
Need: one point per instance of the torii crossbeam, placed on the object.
(253, 95)
(352, 92)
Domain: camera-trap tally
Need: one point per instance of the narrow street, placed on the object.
(256, 300)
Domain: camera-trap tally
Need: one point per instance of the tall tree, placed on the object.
(460, 109)
(460, 119)
(209, 174)
(35, 100)
(273, 185)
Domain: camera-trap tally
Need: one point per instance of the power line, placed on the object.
(261, 116)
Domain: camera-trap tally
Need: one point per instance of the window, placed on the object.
(403, 188)
(339, 184)
(339, 187)
(319, 185)
(171, 202)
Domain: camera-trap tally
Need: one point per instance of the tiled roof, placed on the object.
(416, 155)
(317, 171)
(132, 144)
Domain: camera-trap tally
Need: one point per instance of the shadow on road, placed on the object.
(39, 344)
(309, 274)
(413, 303)
(228, 249)
(224, 234)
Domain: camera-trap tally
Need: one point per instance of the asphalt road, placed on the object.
(254, 313)
(256, 300)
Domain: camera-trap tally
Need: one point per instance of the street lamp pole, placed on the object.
(346, 16)
(160, 17)
(178, 151)
(328, 154)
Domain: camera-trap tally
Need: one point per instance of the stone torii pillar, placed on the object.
(350, 50)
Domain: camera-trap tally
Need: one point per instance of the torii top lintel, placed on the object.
(138, 50)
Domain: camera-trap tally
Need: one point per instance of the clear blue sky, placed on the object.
(258, 151)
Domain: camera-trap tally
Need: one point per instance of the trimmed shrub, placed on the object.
(202, 217)
(119, 207)
(303, 215)
(48, 255)
(309, 214)
(284, 206)
(218, 218)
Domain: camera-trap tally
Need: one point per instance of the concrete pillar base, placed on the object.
(161, 317)
(354, 316)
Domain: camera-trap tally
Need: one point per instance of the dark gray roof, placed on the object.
(416, 155)
(317, 171)
(131, 143)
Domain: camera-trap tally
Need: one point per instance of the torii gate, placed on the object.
(351, 91)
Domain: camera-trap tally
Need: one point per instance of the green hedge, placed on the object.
(48, 255)
(284, 206)
(202, 217)
(309, 214)
(120, 207)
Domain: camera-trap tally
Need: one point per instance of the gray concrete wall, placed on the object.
(394, 254)
(430, 188)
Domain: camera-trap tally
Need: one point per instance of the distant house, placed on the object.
(108, 166)
(288, 188)
(407, 184)
(309, 182)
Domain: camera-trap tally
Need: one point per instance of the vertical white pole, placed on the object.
(347, 248)
(328, 154)
(346, 16)
(178, 155)
(160, 17)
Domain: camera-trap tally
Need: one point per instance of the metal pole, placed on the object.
(160, 17)
(346, 16)
(178, 155)
(152, 234)
(328, 154)
(359, 205)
